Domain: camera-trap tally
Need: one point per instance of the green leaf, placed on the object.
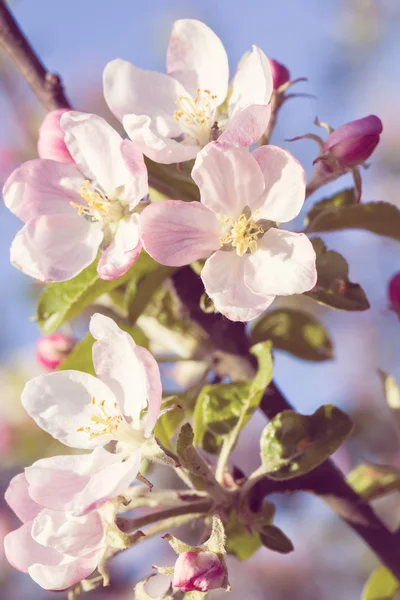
(80, 359)
(273, 538)
(381, 218)
(333, 287)
(143, 283)
(373, 481)
(346, 197)
(168, 424)
(295, 332)
(293, 444)
(392, 394)
(239, 540)
(172, 181)
(382, 585)
(223, 407)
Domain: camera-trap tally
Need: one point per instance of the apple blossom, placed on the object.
(73, 211)
(353, 143)
(83, 411)
(57, 549)
(198, 571)
(250, 261)
(51, 142)
(52, 349)
(171, 117)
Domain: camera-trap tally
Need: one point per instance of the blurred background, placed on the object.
(348, 50)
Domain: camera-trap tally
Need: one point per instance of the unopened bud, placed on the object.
(198, 572)
(353, 143)
(51, 350)
(394, 293)
(51, 142)
(280, 74)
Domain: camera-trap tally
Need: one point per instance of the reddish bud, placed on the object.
(51, 350)
(394, 293)
(353, 143)
(51, 138)
(280, 74)
(198, 572)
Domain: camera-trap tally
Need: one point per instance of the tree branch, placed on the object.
(47, 86)
(326, 481)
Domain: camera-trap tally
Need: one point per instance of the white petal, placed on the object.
(197, 58)
(285, 184)
(176, 233)
(284, 264)
(143, 131)
(252, 83)
(247, 126)
(136, 187)
(19, 499)
(42, 187)
(56, 247)
(22, 551)
(229, 179)
(223, 276)
(61, 403)
(123, 251)
(68, 572)
(130, 90)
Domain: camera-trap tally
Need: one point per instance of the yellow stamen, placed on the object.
(197, 115)
(243, 234)
(107, 417)
(98, 207)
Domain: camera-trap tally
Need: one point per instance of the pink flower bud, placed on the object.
(51, 350)
(394, 293)
(280, 74)
(51, 138)
(198, 571)
(353, 143)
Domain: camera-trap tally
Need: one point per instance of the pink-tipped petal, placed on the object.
(143, 131)
(136, 187)
(123, 251)
(229, 179)
(285, 184)
(51, 142)
(197, 58)
(67, 573)
(247, 126)
(22, 551)
(42, 187)
(223, 276)
(176, 233)
(18, 498)
(56, 247)
(252, 83)
(61, 404)
(130, 90)
(153, 386)
(284, 264)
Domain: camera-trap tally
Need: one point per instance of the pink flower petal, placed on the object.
(176, 233)
(67, 573)
(67, 534)
(285, 184)
(51, 142)
(19, 500)
(136, 187)
(154, 387)
(228, 177)
(61, 403)
(121, 367)
(56, 247)
(143, 131)
(284, 264)
(42, 187)
(22, 551)
(123, 251)
(223, 276)
(96, 149)
(129, 90)
(247, 126)
(252, 83)
(197, 58)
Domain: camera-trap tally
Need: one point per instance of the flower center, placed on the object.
(98, 207)
(242, 234)
(108, 420)
(197, 115)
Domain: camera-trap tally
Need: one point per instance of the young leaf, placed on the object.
(295, 332)
(240, 542)
(381, 218)
(333, 287)
(293, 444)
(226, 407)
(346, 197)
(392, 394)
(172, 181)
(273, 538)
(145, 280)
(382, 585)
(168, 424)
(373, 481)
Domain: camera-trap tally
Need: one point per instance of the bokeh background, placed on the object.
(348, 50)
